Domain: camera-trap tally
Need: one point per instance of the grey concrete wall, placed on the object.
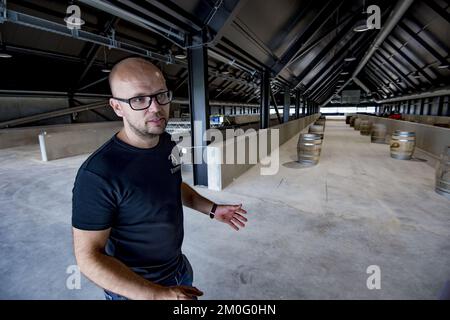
(431, 120)
(70, 143)
(425, 119)
(29, 135)
(221, 174)
(14, 108)
(290, 129)
(65, 144)
(92, 116)
(430, 139)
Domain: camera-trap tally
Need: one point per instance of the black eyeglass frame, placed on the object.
(151, 96)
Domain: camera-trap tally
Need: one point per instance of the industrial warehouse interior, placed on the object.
(328, 121)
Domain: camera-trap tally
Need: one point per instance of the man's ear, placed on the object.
(117, 107)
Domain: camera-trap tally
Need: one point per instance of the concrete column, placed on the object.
(265, 103)
(199, 104)
(287, 105)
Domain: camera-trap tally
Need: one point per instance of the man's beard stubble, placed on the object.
(144, 133)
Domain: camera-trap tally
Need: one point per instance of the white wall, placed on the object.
(220, 174)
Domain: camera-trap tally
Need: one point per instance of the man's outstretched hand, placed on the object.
(231, 215)
(184, 293)
(176, 293)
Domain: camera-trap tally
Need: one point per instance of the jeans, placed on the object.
(183, 276)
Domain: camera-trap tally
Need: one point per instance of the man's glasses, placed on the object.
(143, 102)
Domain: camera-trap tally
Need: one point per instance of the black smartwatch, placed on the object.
(212, 213)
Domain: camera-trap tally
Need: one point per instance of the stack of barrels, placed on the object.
(318, 127)
(402, 145)
(357, 124)
(376, 131)
(320, 121)
(365, 127)
(347, 119)
(309, 145)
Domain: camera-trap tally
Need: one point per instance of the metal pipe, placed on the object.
(52, 114)
(213, 12)
(397, 13)
(217, 74)
(48, 94)
(128, 16)
(215, 55)
(272, 96)
(42, 53)
(50, 26)
(445, 91)
(362, 85)
(26, 93)
(184, 101)
(93, 83)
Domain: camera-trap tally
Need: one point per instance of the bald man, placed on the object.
(128, 197)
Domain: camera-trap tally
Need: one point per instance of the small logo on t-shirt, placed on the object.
(175, 163)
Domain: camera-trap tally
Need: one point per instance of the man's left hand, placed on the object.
(231, 215)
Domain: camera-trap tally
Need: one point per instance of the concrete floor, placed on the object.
(312, 231)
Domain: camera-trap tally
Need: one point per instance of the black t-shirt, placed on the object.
(135, 192)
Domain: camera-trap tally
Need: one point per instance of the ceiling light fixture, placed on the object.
(443, 66)
(361, 26)
(105, 68)
(73, 21)
(416, 75)
(350, 59)
(180, 56)
(3, 53)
